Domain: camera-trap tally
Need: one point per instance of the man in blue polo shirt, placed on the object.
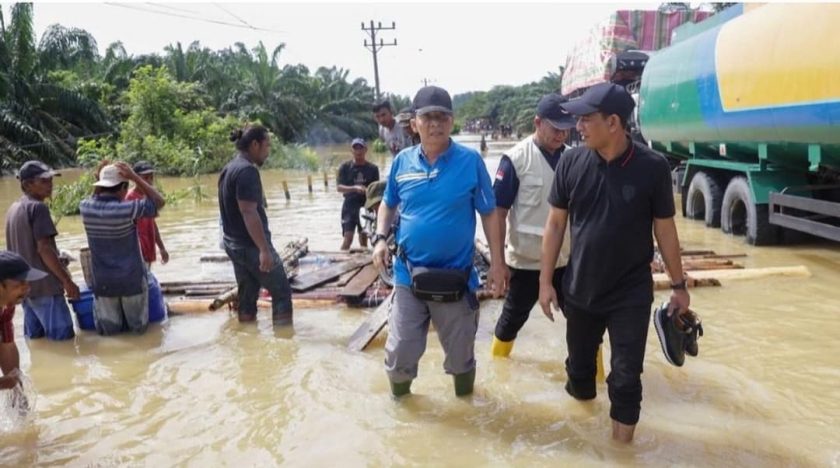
(437, 187)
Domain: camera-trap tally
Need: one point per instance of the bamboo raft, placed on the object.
(322, 279)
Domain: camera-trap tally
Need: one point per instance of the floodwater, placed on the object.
(203, 390)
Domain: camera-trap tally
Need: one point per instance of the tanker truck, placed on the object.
(749, 102)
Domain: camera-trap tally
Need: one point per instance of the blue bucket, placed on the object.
(83, 307)
(157, 308)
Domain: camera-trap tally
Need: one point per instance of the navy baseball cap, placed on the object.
(13, 266)
(432, 99)
(551, 110)
(33, 169)
(608, 98)
(358, 141)
(144, 167)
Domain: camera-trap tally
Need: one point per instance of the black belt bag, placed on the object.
(438, 284)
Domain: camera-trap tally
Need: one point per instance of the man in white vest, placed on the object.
(522, 185)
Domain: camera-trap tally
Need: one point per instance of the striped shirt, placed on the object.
(109, 222)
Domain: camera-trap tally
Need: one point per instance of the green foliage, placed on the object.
(379, 146)
(66, 197)
(508, 105)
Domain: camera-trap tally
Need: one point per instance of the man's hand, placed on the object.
(361, 189)
(548, 297)
(10, 380)
(680, 301)
(71, 290)
(380, 256)
(266, 261)
(498, 278)
(126, 171)
(164, 256)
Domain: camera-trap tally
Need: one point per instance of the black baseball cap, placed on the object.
(551, 110)
(608, 98)
(432, 99)
(13, 266)
(33, 169)
(143, 167)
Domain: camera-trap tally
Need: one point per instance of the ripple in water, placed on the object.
(17, 406)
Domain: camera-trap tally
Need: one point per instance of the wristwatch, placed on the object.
(376, 238)
(680, 285)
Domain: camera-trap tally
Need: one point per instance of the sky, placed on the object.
(459, 46)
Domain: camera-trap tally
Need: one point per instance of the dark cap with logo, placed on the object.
(13, 266)
(608, 98)
(432, 99)
(551, 110)
(33, 169)
(143, 167)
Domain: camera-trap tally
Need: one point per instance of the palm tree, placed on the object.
(38, 118)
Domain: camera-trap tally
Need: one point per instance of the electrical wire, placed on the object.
(193, 18)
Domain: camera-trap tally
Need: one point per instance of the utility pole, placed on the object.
(375, 47)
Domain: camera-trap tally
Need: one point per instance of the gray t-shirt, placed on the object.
(27, 221)
(396, 139)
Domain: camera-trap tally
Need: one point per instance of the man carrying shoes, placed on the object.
(437, 187)
(616, 195)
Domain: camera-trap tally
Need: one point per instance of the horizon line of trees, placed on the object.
(60, 99)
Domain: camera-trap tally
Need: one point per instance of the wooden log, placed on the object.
(360, 283)
(214, 258)
(198, 306)
(225, 298)
(371, 326)
(799, 271)
(310, 280)
(309, 182)
(286, 191)
(713, 277)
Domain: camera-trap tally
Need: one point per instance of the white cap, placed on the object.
(110, 176)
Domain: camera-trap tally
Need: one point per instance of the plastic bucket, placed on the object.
(83, 307)
(157, 308)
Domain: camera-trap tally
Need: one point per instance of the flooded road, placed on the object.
(203, 390)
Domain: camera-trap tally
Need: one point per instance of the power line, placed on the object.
(234, 16)
(205, 20)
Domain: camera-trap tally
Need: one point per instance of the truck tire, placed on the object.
(742, 217)
(703, 199)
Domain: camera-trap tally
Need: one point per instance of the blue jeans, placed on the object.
(47, 316)
(249, 279)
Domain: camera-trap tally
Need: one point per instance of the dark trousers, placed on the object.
(628, 328)
(523, 293)
(249, 279)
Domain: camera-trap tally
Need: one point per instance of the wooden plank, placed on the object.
(372, 326)
(345, 278)
(798, 271)
(361, 282)
(309, 280)
(198, 306)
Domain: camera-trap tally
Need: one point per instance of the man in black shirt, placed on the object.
(247, 239)
(614, 194)
(353, 178)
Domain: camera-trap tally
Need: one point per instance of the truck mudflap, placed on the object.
(805, 214)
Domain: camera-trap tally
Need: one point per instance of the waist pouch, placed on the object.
(438, 284)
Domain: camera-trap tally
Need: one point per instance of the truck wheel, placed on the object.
(703, 199)
(741, 217)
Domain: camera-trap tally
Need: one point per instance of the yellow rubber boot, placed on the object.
(599, 366)
(501, 348)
